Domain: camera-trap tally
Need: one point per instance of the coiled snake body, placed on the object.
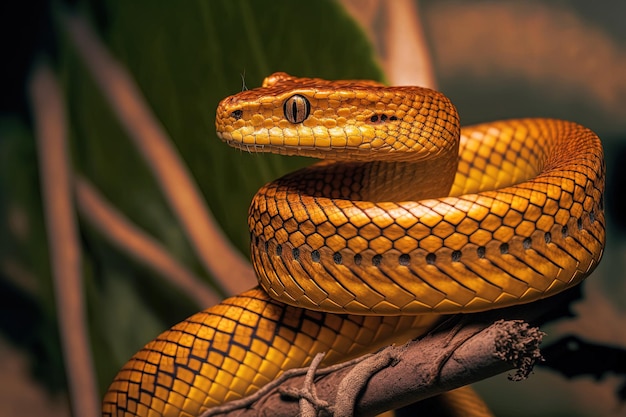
(412, 219)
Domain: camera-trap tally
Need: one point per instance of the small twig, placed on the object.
(63, 245)
(125, 235)
(214, 250)
(352, 384)
(275, 387)
(310, 404)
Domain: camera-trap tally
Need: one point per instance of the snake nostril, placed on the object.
(382, 118)
(236, 114)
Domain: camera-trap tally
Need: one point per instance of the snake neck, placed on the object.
(376, 181)
(409, 181)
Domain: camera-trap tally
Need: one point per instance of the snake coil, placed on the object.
(411, 217)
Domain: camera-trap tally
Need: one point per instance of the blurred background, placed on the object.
(494, 59)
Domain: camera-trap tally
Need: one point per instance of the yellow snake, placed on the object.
(413, 218)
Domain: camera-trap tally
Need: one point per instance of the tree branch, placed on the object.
(443, 360)
(462, 350)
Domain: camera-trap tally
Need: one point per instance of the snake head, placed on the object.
(342, 120)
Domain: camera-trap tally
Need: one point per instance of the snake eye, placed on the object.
(296, 108)
(236, 114)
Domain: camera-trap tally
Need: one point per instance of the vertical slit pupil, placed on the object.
(294, 109)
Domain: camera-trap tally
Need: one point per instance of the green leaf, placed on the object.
(185, 57)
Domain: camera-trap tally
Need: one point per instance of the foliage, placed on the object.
(185, 57)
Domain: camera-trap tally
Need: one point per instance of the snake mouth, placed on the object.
(309, 151)
(248, 147)
(280, 148)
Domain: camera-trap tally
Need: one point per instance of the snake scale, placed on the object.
(407, 218)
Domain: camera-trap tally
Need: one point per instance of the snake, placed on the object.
(406, 218)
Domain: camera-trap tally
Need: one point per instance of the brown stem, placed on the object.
(125, 235)
(55, 176)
